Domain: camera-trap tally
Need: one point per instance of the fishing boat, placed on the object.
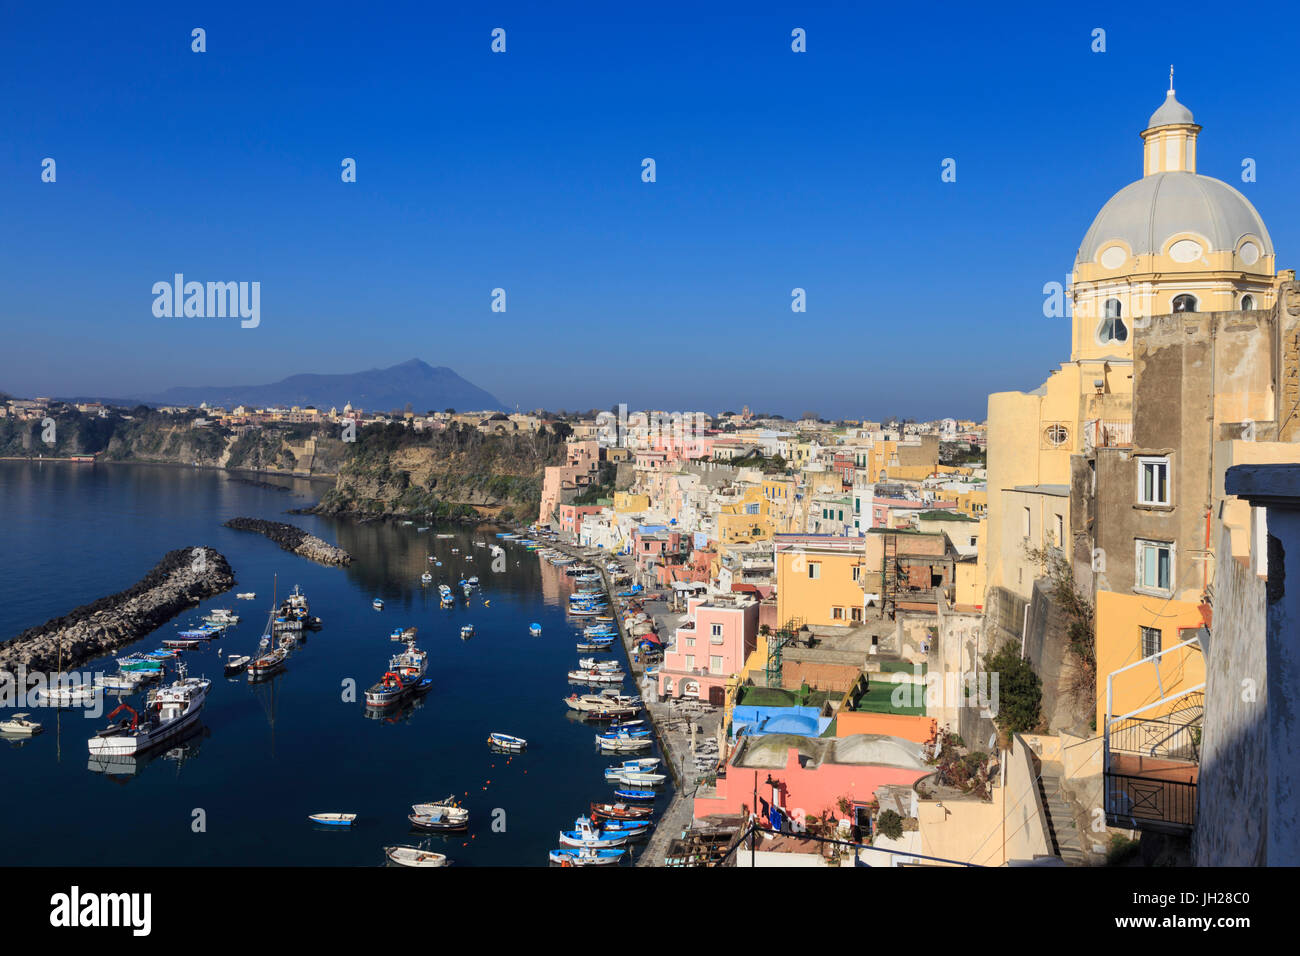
(170, 710)
(633, 794)
(182, 644)
(124, 681)
(414, 856)
(466, 632)
(389, 690)
(451, 813)
(593, 675)
(535, 630)
(18, 724)
(402, 634)
(269, 658)
(507, 742)
(623, 744)
(437, 822)
(632, 829)
(643, 764)
(139, 665)
(585, 834)
(221, 615)
(289, 640)
(620, 811)
(585, 856)
(411, 663)
(236, 663)
(377, 604)
(333, 819)
(591, 663)
(636, 779)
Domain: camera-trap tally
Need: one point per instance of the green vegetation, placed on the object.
(1121, 850)
(1020, 691)
(890, 825)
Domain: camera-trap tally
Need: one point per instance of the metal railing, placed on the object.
(1150, 803)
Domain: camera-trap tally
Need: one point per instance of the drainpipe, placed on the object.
(1024, 631)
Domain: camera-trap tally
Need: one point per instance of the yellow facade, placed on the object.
(1120, 619)
(625, 502)
(819, 586)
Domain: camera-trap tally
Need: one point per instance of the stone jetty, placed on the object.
(295, 540)
(181, 580)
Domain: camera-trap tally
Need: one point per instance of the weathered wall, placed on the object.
(1232, 795)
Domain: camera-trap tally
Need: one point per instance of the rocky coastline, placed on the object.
(294, 540)
(181, 580)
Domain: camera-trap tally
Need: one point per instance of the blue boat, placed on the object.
(587, 856)
(642, 795)
(535, 629)
(333, 819)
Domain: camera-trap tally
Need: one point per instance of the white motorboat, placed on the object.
(247, 596)
(414, 856)
(507, 742)
(426, 578)
(19, 724)
(595, 676)
(221, 615)
(170, 710)
(127, 680)
(451, 814)
(624, 744)
(592, 663)
(65, 694)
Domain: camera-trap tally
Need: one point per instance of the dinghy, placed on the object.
(507, 742)
(535, 630)
(333, 819)
(448, 812)
(414, 856)
(620, 811)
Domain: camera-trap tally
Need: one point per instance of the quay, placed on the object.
(671, 726)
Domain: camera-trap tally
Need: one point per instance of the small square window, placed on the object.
(1150, 640)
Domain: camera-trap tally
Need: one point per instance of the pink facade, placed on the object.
(802, 785)
(712, 645)
(578, 471)
(571, 517)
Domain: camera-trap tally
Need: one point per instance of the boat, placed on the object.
(620, 811)
(633, 794)
(425, 528)
(507, 742)
(411, 663)
(389, 690)
(466, 632)
(623, 744)
(638, 764)
(236, 663)
(139, 665)
(473, 581)
(594, 675)
(632, 829)
(221, 615)
(451, 814)
(414, 856)
(124, 681)
(182, 644)
(535, 630)
(377, 604)
(402, 634)
(435, 821)
(635, 779)
(66, 694)
(333, 819)
(590, 663)
(585, 833)
(19, 724)
(170, 710)
(585, 856)
(247, 596)
(269, 658)
(426, 578)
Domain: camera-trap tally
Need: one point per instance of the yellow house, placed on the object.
(817, 579)
(625, 502)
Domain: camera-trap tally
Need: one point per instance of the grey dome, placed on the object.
(1171, 111)
(1145, 214)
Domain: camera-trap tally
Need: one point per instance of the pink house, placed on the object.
(571, 517)
(710, 647)
(808, 775)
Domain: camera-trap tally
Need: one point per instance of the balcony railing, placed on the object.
(1150, 803)
(1101, 433)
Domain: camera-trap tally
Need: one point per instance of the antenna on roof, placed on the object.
(1171, 77)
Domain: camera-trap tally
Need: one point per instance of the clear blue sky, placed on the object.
(475, 170)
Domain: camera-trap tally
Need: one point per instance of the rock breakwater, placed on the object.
(295, 540)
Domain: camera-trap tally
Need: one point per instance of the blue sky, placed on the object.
(522, 170)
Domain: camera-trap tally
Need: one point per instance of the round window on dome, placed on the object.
(1248, 253)
(1112, 257)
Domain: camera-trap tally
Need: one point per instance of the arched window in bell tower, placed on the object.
(1247, 302)
(1184, 303)
(1112, 327)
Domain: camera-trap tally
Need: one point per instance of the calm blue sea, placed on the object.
(270, 754)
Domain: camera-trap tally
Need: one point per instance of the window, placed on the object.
(715, 665)
(1184, 303)
(814, 570)
(751, 509)
(716, 630)
(1153, 481)
(856, 614)
(1029, 527)
(1150, 640)
(1155, 566)
(1112, 327)
(1247, 303)
(837, 614)
(690, 642)
(857, 572)
(690, 662)
(1060, 531)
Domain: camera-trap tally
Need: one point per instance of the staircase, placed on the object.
(1061, 826)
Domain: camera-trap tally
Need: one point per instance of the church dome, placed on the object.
(1146, 214)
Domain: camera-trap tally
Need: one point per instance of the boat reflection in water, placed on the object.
(400, 713)
(123, 767)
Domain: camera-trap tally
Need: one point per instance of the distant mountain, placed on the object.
(379, 389)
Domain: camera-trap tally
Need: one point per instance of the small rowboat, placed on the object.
(507, 742)
(430, 821)
(333, 819)
(449, 812)
(236, 663)
(466, 632)
(535, 630)
(377, 604)
(635, 778)
(414, 856)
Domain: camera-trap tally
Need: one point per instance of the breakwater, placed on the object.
(295, 540)
(182, 579)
